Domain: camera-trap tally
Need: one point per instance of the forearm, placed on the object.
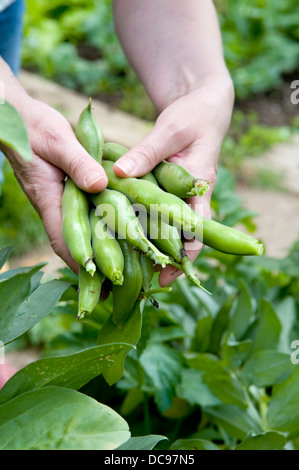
(11, 89)
(174, 46)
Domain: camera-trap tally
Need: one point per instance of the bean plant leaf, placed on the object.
(142, 442)
(242, 312)
(193, 444)
(222, 382)
(193, 389)
(283, 411)
(268, 328)
(286, 312)
(129, 333)
(270, 440)
(69, 371)
(13, 132)
(235, 352)
(162, 367)
(13, 291)
(55, 418)
(36, 306)
(266, 368)
(202, 334)
(235, 421)
(4, 255)
(220, 324)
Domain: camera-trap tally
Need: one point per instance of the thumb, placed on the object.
(64, 151)
(86, 172)
(162, 142)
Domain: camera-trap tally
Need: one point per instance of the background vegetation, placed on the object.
(208, 372)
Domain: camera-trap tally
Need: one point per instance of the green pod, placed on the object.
(125, 296)
(120, 217)
(164, 236)
(147, 266)
(89, 134)
(89, 291)
(230, 240)
(149, 177)
(76, 226)
(177, 180)
(167, 239)
(108, 255)
(154, 199)
(113, 151)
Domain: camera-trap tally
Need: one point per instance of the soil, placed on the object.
(275, 107)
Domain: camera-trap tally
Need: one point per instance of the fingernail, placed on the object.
(127, 166)
(93, 179)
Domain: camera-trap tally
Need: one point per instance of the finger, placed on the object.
(162, 142)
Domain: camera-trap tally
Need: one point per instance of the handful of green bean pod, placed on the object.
(121, 233)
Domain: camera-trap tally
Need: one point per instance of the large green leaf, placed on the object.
(13, 292)
(70, 371)
(13, 132)
(193, 444)
(270, 440)
(4, 255)
(129, 333)
(142, 442)
(283, 411)
(55, 418)
(35, 307)
(266, 368)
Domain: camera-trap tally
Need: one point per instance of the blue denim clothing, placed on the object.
(11, 31)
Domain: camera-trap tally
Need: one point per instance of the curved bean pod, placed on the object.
(121, 218)
(76, 227)
(108, 255)
(89, 291)
(125, 296)
(89, 134)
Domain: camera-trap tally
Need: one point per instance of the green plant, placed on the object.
(185, 371)
(76, 45)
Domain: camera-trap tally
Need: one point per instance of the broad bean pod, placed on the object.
(108, 255)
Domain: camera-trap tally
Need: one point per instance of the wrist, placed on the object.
(11, 90)
(217, 83)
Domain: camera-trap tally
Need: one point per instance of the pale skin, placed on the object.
(175, 48)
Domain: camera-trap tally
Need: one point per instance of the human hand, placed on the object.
(56, 153)
(188, 132)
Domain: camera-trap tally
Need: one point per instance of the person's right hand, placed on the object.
(56, 153)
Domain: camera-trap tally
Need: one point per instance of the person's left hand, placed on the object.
(188, 132)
